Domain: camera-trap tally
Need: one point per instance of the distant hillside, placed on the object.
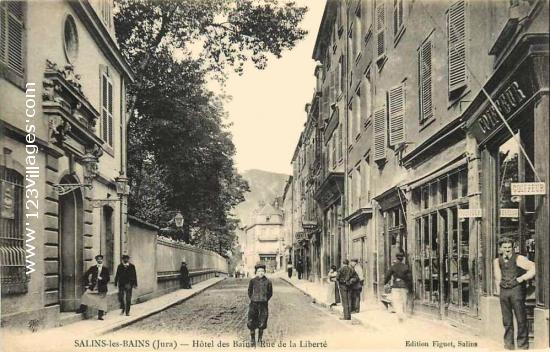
(264, 187)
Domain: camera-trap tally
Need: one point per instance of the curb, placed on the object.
(324, 305)
(133, 320)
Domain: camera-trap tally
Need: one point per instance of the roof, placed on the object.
(323, 34)
(269, 209)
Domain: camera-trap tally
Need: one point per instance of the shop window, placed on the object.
(12, 242)
(436, 221)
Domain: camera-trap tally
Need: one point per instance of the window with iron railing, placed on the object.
(12, 241)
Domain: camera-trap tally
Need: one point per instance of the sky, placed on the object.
(267, 106)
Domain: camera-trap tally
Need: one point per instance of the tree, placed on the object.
(180, 153)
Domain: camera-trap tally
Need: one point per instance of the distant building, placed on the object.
(263, 238)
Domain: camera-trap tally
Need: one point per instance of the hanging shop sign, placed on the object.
(509, 213)
(528, 188)
(469, 213)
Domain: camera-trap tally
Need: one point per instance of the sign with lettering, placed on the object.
(509, 213)
(528, 188)
(469, 213)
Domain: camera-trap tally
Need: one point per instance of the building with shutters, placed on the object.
(416, 159)
(264, 237)
(62, 157)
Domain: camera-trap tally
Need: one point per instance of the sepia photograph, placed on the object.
(283, 175)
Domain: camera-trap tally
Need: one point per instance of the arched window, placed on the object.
(12, 241)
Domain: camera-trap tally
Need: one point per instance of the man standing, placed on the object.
(300, 268)
(402, 281)
(184, 276)
(126, 279)
(357, 286)
(95, 281)
(260, 291)
(346, 278)
(511, 272)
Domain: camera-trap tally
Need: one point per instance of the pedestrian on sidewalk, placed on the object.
(260, 291)
(95, 282)
(289, 270)
(511, 273)
(184, 276)
(333, 296)
(346, 278)
(300, 268)
(357, 286)
(126, 280)
(401, 284)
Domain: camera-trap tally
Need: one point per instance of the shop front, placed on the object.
(510, 134)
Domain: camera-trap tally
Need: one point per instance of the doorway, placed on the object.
(70, 248)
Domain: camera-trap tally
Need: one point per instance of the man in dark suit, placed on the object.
(126, 279)
(185, 282)
(95, 281)
(346, 278)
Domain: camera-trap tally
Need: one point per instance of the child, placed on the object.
(260, 291)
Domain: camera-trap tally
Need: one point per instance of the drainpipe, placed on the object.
(123, 147)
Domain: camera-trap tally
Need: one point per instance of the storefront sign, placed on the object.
(469, 213)
(506, 103)
(509, 213)
(528, 188)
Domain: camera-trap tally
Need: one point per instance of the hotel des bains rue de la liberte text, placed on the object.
(425, 140)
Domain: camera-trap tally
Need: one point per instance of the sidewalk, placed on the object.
(61, 336)
(415, 329)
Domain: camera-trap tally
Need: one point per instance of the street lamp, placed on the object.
(178, 220)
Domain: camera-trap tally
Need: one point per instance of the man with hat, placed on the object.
(357, 287)
(346, 278)
(126, 279)
(184, 276)
(402, 283)
(260, 291)
(511, 272)
(95, 281)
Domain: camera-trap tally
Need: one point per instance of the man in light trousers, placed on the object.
(402, 280)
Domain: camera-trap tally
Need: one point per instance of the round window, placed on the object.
(70, 39)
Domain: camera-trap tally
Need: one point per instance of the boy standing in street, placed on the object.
(260, 291)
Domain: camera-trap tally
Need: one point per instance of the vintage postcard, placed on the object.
(290, 175)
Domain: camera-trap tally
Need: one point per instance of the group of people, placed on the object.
(96, 280)
(345, 286)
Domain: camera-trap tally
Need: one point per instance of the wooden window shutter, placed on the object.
(425, 80)
(379, 130)
(11, 35)
(396, 115)
(110, 111)
(456, 44)
(104, 112)
(380, 30)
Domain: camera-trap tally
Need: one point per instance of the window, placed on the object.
(340, 141)
(11, 36)
(341, 75)
(365, 177)
(357, 189)
(351, 190)
(440, 233)
(398, 24)
(396, 99)
(456, 45)
(12, 242)
(105, 9)
(351, 118)
(106, 107)
(357, 114)
(425, 80)
(379, 130)
(357, 33)
(367, 99)
(380, 33)
(70, 39)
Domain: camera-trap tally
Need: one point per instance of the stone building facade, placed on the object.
(415, 158)
(62, 158)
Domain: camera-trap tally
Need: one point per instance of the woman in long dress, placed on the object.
(333, 296)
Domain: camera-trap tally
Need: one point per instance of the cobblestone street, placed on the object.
(220, 313)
